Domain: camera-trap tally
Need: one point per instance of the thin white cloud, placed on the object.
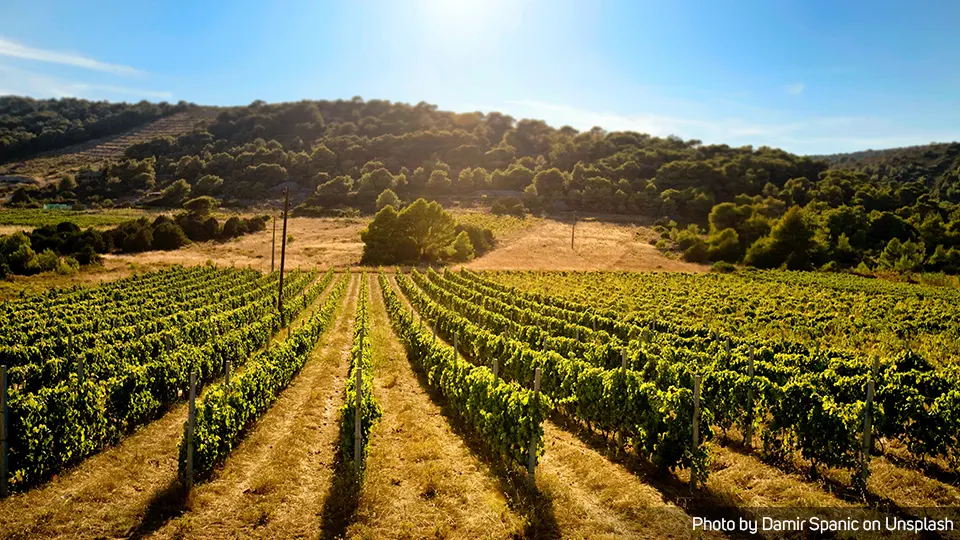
(13, 49)
(810, 135)
(795, 89)
(28, 83)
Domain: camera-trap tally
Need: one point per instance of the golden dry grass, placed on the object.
(421, 479)
(274, 483)
(107, 495)
(319, 242)
(597, 246)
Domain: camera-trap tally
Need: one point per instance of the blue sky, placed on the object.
(806, 76)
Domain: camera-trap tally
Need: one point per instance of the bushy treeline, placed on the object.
(887, 212)
(64, 247)
(337, 157)
(421, 233)
(29, 126)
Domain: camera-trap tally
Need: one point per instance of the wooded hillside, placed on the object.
(715, 202)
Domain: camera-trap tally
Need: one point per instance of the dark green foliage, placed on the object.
(28, 126)
(51, 246)
(168, 236)
(421, 232)
(349, 152)
(481, 239)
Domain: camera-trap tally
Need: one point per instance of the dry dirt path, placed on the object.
(421, 478)
(125, 490)
(273, 485)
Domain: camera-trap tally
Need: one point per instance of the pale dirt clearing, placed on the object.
(597, 246)
(319, 242)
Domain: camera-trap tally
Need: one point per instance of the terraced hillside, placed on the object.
(52, 164)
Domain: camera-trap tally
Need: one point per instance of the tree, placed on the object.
(189, 167)
(176, 192)
(791, 243)
(67, 183)
(439, 182)
(335, 192)
(462, 247)
(233, 228)
(169, 236)
(906, 257)
(430, 228)
(208, 184)
(421, 232)
(375, 181)
(725, 246)
(381, 237)
(388, 198)
(549, 183)
(201, 206)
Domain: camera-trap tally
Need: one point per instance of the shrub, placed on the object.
(168, 236)
(723, 267)
(462, 248)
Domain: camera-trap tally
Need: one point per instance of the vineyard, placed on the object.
(212, 402)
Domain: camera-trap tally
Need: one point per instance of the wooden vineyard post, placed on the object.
(80, 371)
(868, 425)
(191, 427)
(357, 436)
(226, 372)
(532, 452)
(496, 367)
(576, 333)
(696, 430)
(543, 344)
(4, 447)
(455, 336)
(623, 360)
(726, 345)
(748, 432)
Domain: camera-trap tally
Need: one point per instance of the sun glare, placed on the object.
(467, 23)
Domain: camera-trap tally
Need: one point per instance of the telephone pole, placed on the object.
(273, 246)
(283, 249)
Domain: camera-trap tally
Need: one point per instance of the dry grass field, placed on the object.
(523, 244)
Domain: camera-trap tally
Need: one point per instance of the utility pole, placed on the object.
(573, 229)
(273, 245)
(283, 249)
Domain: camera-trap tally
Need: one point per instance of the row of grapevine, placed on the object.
(113, 294)
(505, 415)
(361, 371)
(47, 362)
(812, 403)
(227, 411)
(61, 424)
(658, 422)
(114, 304)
